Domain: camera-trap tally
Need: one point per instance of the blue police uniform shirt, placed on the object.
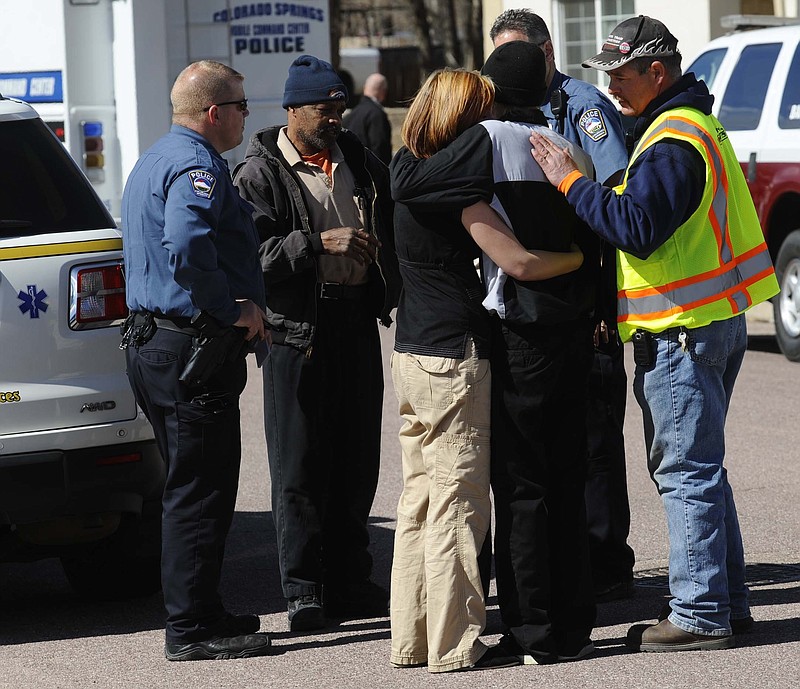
(189, 241)
(592, 122)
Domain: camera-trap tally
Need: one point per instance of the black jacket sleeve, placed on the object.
(286, 249)
(456, 177)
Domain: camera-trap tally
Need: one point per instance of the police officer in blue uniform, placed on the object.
(191, 258)
(584, 116)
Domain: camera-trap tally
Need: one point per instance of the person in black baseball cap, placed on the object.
(642, 59)
(681, 218)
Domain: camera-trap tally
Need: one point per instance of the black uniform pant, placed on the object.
(198, 434)
(544, 584)
(322, 415)
(607, 509)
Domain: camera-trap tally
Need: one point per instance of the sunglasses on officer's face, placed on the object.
(241, 103)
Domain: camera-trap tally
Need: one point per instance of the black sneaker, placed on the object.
(510, 646)
(220, 648)
(738, 626)
(586, 649)
(497, 656)
(362, 600)
(305, 613)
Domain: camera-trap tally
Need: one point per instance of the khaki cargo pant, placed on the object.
(437, 605)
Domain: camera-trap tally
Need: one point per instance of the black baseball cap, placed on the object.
(637, 37)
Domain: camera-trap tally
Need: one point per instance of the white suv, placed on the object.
(755, 76)
(80, 476)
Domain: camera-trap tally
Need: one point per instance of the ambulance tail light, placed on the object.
(97, 296)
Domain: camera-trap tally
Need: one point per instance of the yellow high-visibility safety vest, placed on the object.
(716, 265)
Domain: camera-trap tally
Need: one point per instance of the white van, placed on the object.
(755, 76)
(80, 476)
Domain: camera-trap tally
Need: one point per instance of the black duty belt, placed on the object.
(178, 324)
(334, 290)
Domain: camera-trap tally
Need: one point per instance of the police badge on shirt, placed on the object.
(593, 124)
(202, 183)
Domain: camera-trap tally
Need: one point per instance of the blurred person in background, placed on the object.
(368, 120)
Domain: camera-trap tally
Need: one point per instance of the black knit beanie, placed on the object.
(517, 69)
(312, 80)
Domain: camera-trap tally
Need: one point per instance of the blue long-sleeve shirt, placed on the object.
(189, 241)
(665, 184)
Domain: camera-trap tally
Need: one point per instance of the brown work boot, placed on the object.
(665, 637)
(740, 625)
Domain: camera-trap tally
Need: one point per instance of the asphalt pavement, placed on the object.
(51, 638)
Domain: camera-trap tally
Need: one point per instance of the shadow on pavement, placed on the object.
(763, 343)
(37, 603)
(336, 635)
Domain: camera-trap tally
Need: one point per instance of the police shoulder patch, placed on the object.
(203, 183)
(593, 124)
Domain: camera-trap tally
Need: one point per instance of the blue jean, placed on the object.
(684, 396)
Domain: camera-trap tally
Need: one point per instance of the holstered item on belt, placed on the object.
(138, 329)
(337, 291)
(211, 349)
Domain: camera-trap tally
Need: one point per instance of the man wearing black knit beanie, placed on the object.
(324, 217)
(540, 364)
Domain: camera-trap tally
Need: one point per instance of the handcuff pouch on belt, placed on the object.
(137, 329)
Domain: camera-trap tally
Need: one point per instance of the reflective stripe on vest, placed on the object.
(689, 293)
(723, 287)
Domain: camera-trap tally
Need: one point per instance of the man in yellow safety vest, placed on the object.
(691, 260)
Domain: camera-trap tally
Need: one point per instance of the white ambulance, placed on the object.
(80, 476)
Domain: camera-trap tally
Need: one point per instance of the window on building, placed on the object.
(744, 98)
(583, 26)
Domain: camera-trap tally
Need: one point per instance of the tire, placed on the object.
(786, 304)
(127, 565)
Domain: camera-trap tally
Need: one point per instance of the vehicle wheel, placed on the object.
(127, 565)
(786, 304)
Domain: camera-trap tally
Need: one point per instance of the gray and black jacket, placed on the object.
(486, 163)
(289, 247)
